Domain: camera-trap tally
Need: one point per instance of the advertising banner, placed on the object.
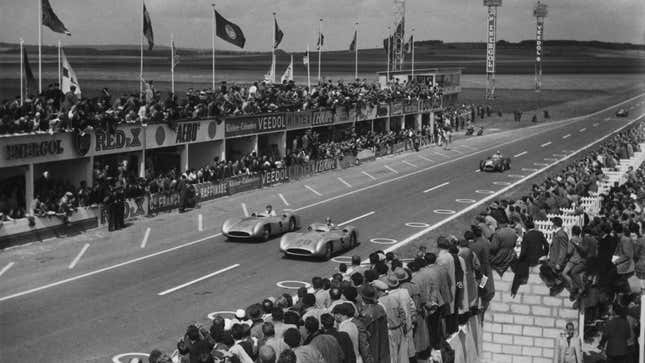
(323, 117)
(539, 51)
(396, 108)
(208, 191)
(345, 114)
(122, 139)
(490, 47)
(275, 176)
(243, 183)
(250, 125)
(160, 202)
(365, 112)
(185, 132)
(348, 161)
(410, 106)
(382, 110)
(306, 119)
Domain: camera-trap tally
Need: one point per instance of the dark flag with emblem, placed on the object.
(321, 41)
(278, 34)
(50, 20)
(352, 45)
(409, 45)
(229, 31)
(147, 28)
(29, 78)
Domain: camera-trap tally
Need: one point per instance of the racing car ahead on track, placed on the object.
(622, 113)
(495, 164)
(260, 226)
(319, 240)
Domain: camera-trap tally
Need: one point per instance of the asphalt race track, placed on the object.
(91, 297)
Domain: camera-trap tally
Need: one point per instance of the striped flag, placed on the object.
(69, 76)
(147, 28)
(175, 56)
(288, 73)
(50, 20)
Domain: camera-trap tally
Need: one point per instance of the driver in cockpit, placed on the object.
(329, 223)
(269, 211)
(497, 155)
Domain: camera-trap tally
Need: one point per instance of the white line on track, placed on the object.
(457, 151)
(368, 175)
(436, 187)
(408, 163)
(566, 136)
(145, 238)
(245, 210)
(546, 144)
(78, 257)
(583, 129)
(477, 170)
(503, 190)
(529, 169)
(6, 268)
(344, 182)
(607, 118)
(198, 280)
(357, 218)
(469, 147)
(343, 195)
(283, 199)
(596, 124)
(520, 154)
(390, 169)
(424, 158)
(200, 222)
(313, 190)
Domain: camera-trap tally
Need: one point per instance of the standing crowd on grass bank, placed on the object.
(404, 310)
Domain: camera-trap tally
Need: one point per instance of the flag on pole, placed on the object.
(352, 45)
(386, 45)
(30, 80)
(229, 31)
(409, 45)
(321, 41)
(278, 34)
(69, 76)
(305, 60)
(288, 73)
(147, 28)
(50, 19)
(175, 56)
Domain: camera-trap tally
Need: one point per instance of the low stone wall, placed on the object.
(525, 329)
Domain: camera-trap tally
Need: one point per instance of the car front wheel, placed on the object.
(266, 234)
(329, 251)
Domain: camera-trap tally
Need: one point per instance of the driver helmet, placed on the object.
(328, 221)
(269, 207)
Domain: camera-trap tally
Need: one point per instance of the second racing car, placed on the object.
(495, 163)
(319, 240)
(260, 226)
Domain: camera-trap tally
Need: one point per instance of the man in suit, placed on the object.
(438, 281)
(534, 246)
(481, 247)
(559, 246)
(569, 348)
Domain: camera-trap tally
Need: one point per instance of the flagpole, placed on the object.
(141, 53)
(308, 73)
(273, 51)
(172, 63)
(412, 45)
(40, 46)
(22, 66)
(60, 82)
(356, 53)
(389, 50)
(320, 41)
(213, 46)
(291, 65)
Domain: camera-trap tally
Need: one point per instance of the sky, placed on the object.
(101, 22)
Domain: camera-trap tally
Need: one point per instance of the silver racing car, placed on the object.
(260, 226)
(319, 240)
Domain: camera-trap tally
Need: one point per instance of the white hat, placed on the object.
(240, 313)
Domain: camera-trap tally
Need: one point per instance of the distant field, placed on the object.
(571, 68)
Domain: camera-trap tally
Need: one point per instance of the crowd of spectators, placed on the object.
(52, 111)
(400, 310)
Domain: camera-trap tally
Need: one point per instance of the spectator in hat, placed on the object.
(243, 348)
(502, 249)
(398, 277)
(398, 322)
(304, 353)
(197, 344)
(279, 326)
(447, 262)
(438, 280)
(374, 318)
(473, 268)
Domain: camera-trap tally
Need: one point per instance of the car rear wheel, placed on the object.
(329, 251)
(292, 225)
(352, 241)
(266, 234)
